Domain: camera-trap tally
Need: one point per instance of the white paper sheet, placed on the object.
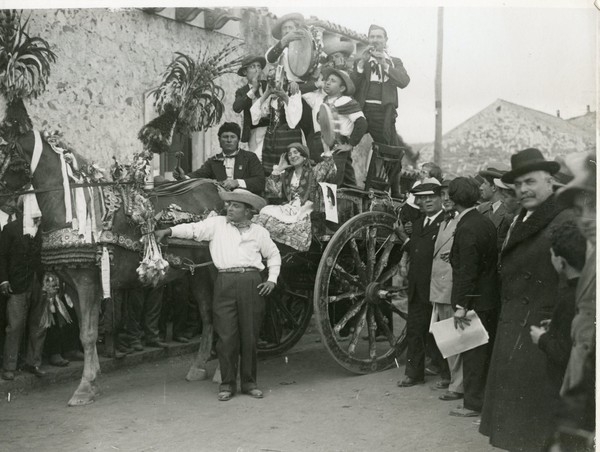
(329, 192)
(452, 341)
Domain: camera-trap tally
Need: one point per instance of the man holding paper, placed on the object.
(474, 287)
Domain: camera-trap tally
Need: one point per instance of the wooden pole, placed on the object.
(437, 147)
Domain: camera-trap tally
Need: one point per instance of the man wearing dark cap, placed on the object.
(233, 167)
(237, 247)
(377, 77)
(420, 248)
(253, 134)
(517, 410)
(474, 258)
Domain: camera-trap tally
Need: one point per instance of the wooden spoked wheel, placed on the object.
(360, 313)
(289, 308)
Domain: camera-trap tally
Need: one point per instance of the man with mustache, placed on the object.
(517, 408)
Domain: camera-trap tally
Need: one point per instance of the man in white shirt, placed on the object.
(237, 247)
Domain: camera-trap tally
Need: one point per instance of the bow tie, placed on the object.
(449, 215)
(376, 69)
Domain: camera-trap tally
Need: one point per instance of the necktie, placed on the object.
(427, 221)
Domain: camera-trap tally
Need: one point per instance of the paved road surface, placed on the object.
(310, 404)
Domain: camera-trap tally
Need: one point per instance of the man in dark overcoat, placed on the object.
(20, 269)
(474, 256)
(517, 409)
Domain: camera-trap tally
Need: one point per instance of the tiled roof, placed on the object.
(327, 25)
(500, 130)
(336, 28)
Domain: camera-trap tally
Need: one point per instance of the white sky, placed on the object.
(537, 53)
(542, 58)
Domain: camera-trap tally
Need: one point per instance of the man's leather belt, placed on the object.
(238, 270)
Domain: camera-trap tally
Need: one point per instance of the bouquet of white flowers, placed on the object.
(153, 268)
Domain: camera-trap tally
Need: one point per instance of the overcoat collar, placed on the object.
(538, 220)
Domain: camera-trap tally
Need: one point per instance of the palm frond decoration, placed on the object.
(24, 60)
(189, 90)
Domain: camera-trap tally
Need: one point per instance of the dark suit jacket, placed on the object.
(474, 258)
(242, 104)
(501, 218)
(420, 252)
(247, 167)
(20, 256)
(397, 78)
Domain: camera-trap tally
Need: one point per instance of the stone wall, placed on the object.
(107, 61)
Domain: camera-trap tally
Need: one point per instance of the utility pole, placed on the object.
(437, 147)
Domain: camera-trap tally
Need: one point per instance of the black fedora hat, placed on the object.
(247, 61)
(526, 161)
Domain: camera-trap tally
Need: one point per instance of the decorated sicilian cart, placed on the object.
(97, 226)
(351, 278)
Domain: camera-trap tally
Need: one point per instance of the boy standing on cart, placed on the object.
(351, 122)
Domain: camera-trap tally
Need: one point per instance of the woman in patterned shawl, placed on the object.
(295, 179)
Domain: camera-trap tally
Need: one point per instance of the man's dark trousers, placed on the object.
(238, 311)
(476, 363)
(417, 338)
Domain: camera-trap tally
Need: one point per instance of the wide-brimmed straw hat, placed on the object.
(583, 167)
(343, 75)
(526, 161)
(429, 186)
(345, 47)
(247, 61)
(245, 196)
(276, 30)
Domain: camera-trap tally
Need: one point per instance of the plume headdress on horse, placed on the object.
(24, 70)
(188, 98)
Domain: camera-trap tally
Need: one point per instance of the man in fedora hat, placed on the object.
(253, 134)
(493, 203)
(336, 92)
(517, 410)
(237, 247)
(420, 248)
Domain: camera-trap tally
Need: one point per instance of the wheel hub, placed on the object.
(372, 294)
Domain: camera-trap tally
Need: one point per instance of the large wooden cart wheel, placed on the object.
(289, 308)
(360, 313)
